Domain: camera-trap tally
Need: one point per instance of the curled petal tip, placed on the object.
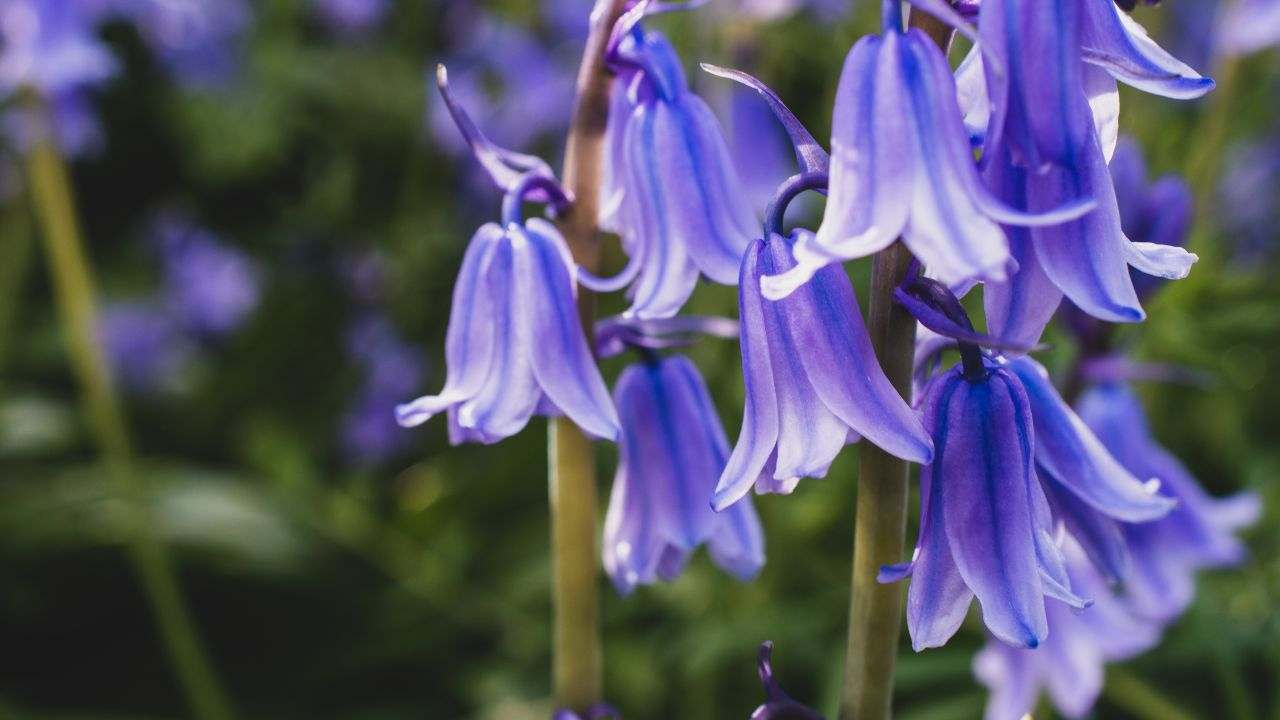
(442, 76)
(779, 287)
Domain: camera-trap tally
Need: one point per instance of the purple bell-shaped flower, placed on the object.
(671, 451)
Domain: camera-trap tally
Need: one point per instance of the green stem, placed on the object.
(576, 652)
(15, 257)
(1138, 698)
(51, 193)
(875, 610)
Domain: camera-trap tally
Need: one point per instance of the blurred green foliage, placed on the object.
(419, 588)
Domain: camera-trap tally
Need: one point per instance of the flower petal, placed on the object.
(1073, 457)
(983, 457)
(1120, 45)
(561, 358)
(841, 366)
(469, 340)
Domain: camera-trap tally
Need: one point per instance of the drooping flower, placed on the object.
(903, 167)
(813, 383)
(1197, 534)
(210, 287)
(985, 524)
(671, 451)
(673, 192)
(514, 345)
(778, 705)
(1070, 664)
(1249, 26)
(1116, 43)
(1087, 260)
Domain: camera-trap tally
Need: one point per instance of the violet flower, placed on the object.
(197, 40)
(1249, 26)
(211, 288)
(1071, 663)
(144, 348)
(1197, 534)
(351, 17)
(903, 167)
(671, 451)
(514, 346)
(391, 370)
(672, 189)
(1087, 259)
(813, 383)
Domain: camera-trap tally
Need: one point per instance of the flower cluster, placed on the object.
(1059, 515)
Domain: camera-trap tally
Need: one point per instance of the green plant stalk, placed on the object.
(15, 258)
(1129, 692)
(577, 664)
(875, 610)
(51, 193)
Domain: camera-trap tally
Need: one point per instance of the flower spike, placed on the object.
(809, 153)
(506, 167)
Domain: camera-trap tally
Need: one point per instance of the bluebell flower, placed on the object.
(902, 166)
(144, 348)
(1249, 26)
(514, 345)
(1197, 534)
(210, 287)
(351, 16)
(673, 191)
(671, 451)
(778, 705)
(52, 47)
(391, 370)
(985, 523)
(812, 380)
(1250, 187)
(1086, 260)
(1071, 663)
(197, 40)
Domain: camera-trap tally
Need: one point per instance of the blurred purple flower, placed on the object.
(144, 347)
(1248, 26)
(391, 371)
(351, 16)
(197, 40)
(768, 10)
(1250, 187)
(1159, 212)
(671, 451)
(758, 145)
(1071, 662)
(210, 288)
(1197, 534)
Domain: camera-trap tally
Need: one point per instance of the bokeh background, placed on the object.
(275, 208)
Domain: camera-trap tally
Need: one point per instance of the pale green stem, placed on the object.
(575, 559)
(51, 193)
(875, 609)
(1139, 699)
